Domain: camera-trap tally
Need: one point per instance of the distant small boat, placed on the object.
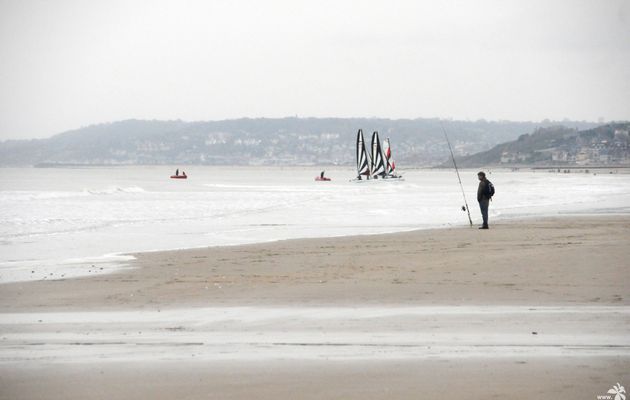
(178, 176)
(321, 177)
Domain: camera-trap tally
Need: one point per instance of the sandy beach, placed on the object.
(528, 309)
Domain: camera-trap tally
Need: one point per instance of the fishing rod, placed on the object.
(456, 170)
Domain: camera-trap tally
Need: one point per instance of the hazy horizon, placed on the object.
(69, 64)
(542, 122)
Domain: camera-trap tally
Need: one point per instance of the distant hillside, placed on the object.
(289, 141)
(604, 145)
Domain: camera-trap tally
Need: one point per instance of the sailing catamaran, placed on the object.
(378, 165)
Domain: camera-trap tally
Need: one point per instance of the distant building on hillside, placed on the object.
(560, 156)
(508, 157)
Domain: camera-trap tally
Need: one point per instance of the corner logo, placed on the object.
(617, 390)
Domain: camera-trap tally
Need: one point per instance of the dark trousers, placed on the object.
(483, 205)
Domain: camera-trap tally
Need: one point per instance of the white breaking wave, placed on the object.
(23, 195)
(6, 196)
(115, 190)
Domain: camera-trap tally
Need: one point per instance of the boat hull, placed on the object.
(374, 181)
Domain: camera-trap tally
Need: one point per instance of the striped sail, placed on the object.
(363, 164)
(378, 165)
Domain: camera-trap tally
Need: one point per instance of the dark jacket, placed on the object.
(482, 190)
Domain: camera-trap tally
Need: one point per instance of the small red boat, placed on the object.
(179, 177)
(320, 179)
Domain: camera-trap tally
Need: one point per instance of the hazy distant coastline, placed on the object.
(264, 141)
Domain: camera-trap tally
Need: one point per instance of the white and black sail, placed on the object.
(363, 163)
(378, 162)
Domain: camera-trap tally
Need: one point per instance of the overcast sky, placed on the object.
(66, 64)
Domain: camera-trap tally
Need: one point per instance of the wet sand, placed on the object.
(529, 309)
(493, 378)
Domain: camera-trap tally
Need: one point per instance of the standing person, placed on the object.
(484, 195)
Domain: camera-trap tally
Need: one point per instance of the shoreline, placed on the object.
(115, 262)
(433, 266)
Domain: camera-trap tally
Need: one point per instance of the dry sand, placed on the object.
(529, 309)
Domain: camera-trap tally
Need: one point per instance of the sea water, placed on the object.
(61, 222)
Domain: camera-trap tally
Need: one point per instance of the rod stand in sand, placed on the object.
(457, 171)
